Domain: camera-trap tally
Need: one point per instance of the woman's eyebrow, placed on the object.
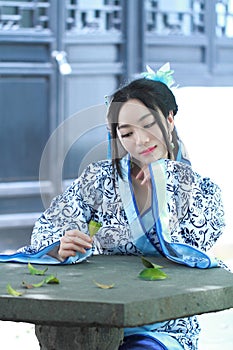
(144, 116)
(123, 126)
(128, 125)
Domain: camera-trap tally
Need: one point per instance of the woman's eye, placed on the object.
(127, 135)
(147, 126)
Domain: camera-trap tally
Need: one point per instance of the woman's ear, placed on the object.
(170, 121)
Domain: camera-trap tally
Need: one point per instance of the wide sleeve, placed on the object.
(71, 210)
(196, 205)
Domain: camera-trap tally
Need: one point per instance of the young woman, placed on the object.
(146, 200)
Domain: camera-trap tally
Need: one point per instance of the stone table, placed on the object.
(77, 314)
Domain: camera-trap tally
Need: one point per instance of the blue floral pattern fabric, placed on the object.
(95, 196)
(196, 204)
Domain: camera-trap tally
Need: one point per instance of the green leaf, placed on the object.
(34, 271)
(149, 264)
(33, 285)
(152, 274)
(51, 279)
(93, 227)
(48, 280)
(12, 291)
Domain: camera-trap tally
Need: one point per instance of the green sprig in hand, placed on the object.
(93, 227)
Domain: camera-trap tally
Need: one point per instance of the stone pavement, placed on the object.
(217, 331)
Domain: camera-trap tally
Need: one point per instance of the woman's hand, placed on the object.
(72, 242)
(144, 176)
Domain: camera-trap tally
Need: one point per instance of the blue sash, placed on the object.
(178, 252)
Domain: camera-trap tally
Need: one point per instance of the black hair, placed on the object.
(154, 95)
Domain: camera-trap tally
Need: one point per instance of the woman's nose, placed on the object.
(142, 137)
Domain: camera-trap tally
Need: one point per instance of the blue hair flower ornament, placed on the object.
(163, 74)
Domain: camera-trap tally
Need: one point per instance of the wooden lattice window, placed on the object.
(87, 16)
(224, 21)
(18, 15)
(166, 17)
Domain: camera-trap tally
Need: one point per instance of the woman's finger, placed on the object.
(72, 242)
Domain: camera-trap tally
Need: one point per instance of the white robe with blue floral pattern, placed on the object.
(95, 196)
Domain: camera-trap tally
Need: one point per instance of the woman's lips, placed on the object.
(148, 150)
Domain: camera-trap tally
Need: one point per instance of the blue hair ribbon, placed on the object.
(163, 74)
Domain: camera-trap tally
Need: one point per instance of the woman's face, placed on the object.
(139, 133)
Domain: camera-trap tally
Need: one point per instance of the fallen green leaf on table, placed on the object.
(149, 264)
(152, 271)
(33, 285)
(12, 291)
(104, 286)
(34, 271)
(152, 274)
(93, 227)
(51, 279)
